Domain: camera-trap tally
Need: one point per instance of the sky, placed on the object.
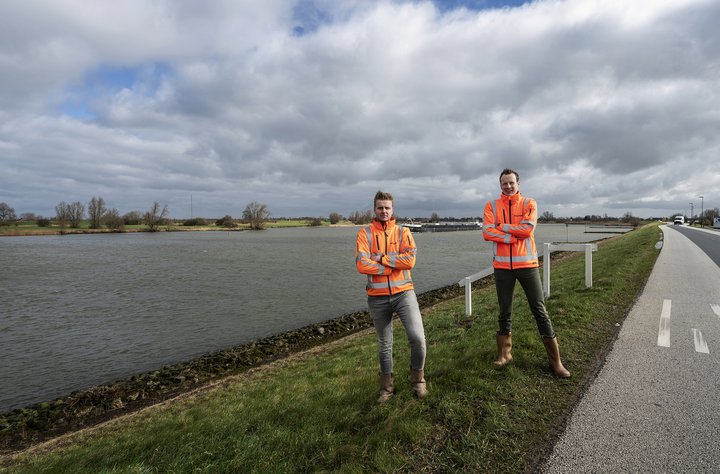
(311, 106)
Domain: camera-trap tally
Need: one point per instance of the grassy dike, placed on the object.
(317, 412)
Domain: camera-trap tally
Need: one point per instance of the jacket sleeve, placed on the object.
(404, 259)
(363, 262)
(528, 223)
(491, 230)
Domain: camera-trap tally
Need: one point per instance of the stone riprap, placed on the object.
(24, 427)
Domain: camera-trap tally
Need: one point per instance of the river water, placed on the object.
(82, 310)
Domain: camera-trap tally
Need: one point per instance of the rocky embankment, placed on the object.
(24, 427)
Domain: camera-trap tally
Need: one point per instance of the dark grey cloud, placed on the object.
(311, 107)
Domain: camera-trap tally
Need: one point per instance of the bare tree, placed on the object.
(113, 220)
(7, 214)
(434, 217)
(547, 216)
(62, 214)
(630, 219)
(256, 214)
(155, 217)
(709, 215)
(96, 211)
(335, 217)
(360, 218)
(77, 213)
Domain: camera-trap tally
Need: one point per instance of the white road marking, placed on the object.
(716, 309)
(700, 344)
(663, 339)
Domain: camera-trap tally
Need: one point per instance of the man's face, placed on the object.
(509, 184)
(383, 210)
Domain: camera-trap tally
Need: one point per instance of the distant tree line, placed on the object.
(72, 215)
(361, 217)
(256, 215)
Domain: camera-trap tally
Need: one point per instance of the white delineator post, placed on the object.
(549, 247)
(467, 283)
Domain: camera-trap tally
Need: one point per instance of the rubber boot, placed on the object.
(504, 344)
(553, 352)
(417, 379)
(387, 387)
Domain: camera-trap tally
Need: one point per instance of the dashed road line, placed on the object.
(716, 309)
(700, 343)
(663, 339)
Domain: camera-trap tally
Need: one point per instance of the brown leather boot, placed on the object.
(553, 352)
(387, 387)
(417, 379)
(504, 345)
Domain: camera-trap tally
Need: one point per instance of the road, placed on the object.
(708, 240)
(654, 406)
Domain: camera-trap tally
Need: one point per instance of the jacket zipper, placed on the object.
(386, 251)
(511, 249)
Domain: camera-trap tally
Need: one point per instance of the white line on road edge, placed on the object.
(664, 330)
(700, 344)
(716, 309)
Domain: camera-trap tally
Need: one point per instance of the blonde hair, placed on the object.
(382, 196)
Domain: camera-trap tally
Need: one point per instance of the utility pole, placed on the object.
(691, 211)
(702, 206)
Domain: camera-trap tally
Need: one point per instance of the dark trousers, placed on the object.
(529, 279)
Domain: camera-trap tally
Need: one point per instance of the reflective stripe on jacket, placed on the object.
(509, 222)
(394, 242)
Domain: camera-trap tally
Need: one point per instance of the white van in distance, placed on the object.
(679, 220)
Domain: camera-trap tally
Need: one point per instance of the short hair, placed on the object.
(382, 196)
(509, 171)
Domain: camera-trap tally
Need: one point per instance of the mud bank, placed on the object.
(24, 427)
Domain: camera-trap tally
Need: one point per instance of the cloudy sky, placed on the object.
(310, 106)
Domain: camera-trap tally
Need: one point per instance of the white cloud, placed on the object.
(602, 106)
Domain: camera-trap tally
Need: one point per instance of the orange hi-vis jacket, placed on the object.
(391, 275)
(509, 222)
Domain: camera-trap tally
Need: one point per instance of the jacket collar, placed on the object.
(384, 226)
(515, 197)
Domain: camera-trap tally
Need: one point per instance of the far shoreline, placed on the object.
(15, 231)
(18, 231)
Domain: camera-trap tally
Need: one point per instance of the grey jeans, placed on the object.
(405, 305)
(529, 279)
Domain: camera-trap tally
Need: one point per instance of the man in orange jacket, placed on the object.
(509, 222)
(385, 252)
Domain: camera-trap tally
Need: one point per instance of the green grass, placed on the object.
(319, 413)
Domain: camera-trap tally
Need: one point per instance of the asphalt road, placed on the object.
(708, 240)
(655, 405)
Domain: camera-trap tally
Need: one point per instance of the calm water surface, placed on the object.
(81, 310)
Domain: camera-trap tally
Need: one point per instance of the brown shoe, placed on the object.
(553, 353)
(387, 387)
(504, 345)
(417, 379)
